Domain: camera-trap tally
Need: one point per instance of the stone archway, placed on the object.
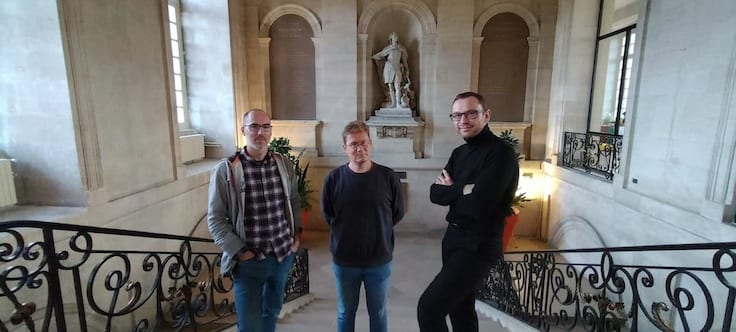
(427, 52)
(533, 60)
(264, 41)
(307, 128)
(426, 20)
(279, 11)
(416, 7)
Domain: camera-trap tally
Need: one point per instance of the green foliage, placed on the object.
(511, 140)
(282, 146)
(519, 200)
(506, 136)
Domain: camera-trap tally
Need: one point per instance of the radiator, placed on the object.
(7, 186)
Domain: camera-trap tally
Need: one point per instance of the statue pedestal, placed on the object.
(396, 133)
(393, 112)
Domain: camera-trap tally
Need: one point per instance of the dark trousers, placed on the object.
(466, 261)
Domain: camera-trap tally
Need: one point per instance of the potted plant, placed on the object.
(518, 202)
(282, 146)
(511, 140)
(513, 218)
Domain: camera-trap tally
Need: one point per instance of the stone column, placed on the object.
(477, 42)
(265, 53)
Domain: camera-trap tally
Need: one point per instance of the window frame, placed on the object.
(622, 77)
(180, 107)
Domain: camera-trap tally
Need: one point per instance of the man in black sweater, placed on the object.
(361, 202)
(478, 184)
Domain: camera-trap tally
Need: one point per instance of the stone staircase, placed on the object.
(416, 261)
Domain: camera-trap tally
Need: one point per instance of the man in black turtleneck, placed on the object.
(478, 184)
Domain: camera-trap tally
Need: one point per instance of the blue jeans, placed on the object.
(347, 280)
(259, 292)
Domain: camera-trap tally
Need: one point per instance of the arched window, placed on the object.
(291, 57)
(504, 57)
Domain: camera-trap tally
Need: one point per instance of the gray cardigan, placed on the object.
(224, 217)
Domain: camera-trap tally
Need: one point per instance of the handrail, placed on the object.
(672, 287)
(59, 277)
(94, 229)
(664, 247)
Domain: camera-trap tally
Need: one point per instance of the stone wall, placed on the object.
(673, 185)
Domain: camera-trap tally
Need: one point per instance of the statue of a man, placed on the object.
(395, 70)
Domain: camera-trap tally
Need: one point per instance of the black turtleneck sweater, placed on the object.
(492, 167)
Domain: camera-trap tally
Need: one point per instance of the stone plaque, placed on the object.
(291, 51)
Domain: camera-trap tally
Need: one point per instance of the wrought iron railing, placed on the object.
(650, 288)
(59, 277)
(594, 153)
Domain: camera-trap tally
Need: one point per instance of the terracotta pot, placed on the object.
(305, 218)
(508, 229)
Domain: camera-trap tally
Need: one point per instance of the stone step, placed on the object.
(320, 316)
(417, 259)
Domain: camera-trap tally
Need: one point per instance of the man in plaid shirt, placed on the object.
(252, 216)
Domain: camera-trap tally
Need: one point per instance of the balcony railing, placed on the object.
(59, 277)
(650, 288)
(594, 153)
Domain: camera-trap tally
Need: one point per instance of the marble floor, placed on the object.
(416, 261)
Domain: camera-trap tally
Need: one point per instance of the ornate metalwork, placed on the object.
(594, 153)
(61, 277)
(615, 289)
(298, 283)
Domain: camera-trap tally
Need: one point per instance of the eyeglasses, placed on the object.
(470, 114)
(355, 145)
(255, 126)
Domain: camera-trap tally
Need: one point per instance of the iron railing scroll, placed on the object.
(594, 153)
(648, 288)
(60, 277)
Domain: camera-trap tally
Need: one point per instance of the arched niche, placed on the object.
(418, 8)
(409, 31)
(532, 24)
(502, 78)
(415, 24)
(279, 11)
(292, 69)
(288, 12)
(302, 133)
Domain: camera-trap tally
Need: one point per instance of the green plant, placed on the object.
(511, 140)
(519, 199)
(282, 146)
